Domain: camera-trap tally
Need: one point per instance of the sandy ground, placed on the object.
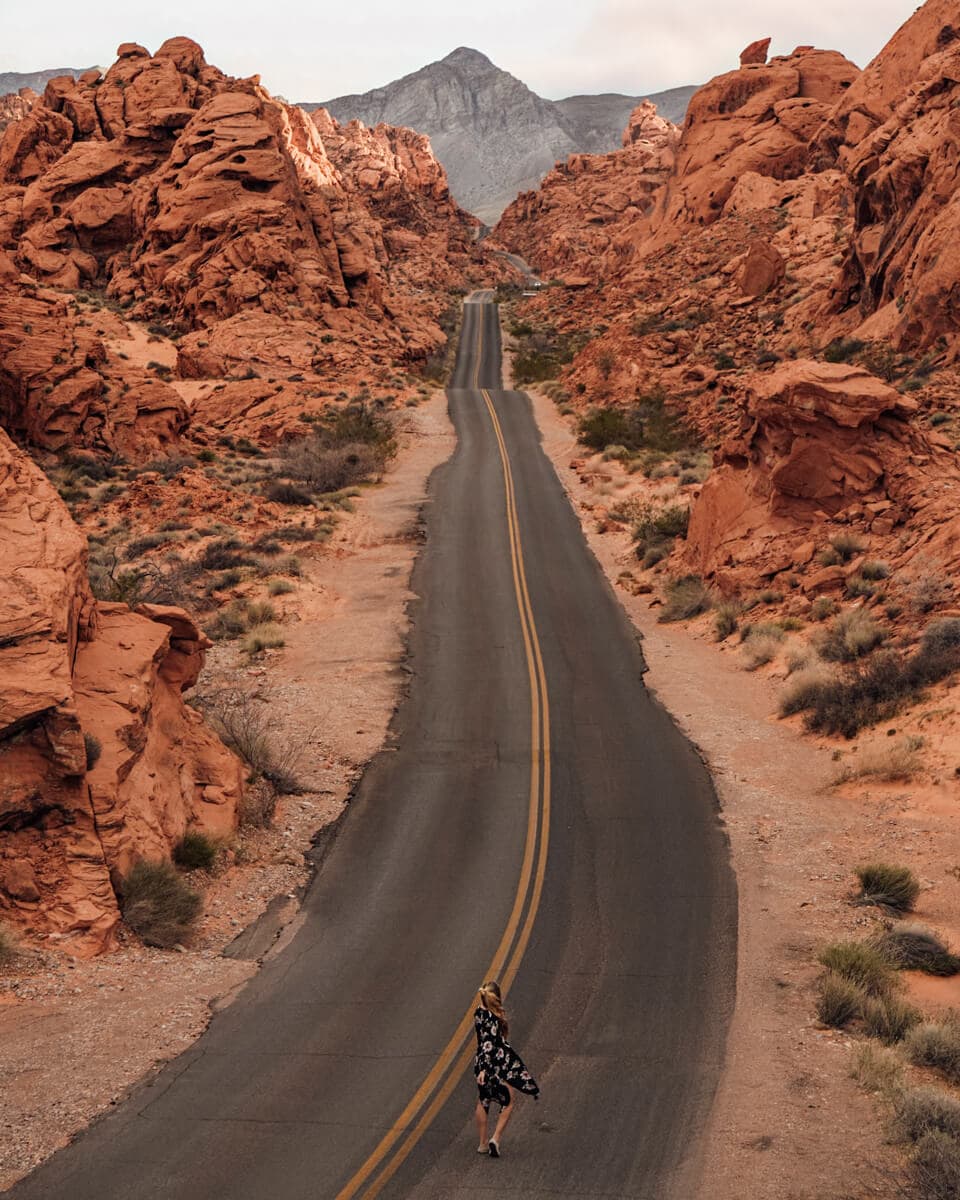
(75, 1036)
(789, 1122)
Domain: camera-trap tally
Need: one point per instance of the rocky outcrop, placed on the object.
(902, 263)
(16, 105)
(591, 210)
(494, 136)
(60, 390)
(817, 440)
(759, 118)
(755, 53)
(101, 762)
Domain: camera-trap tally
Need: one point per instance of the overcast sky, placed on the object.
(315, 51)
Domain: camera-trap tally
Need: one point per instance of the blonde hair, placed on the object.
(491, 1000)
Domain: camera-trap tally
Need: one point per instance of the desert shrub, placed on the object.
(913, 947)
(937, 1044)
(158, 905)
(876, 690)
(928, 591)
(769, 596)
(280, 587)
(941, 637)
(195, 851)
(861, 963)
(261, 612)
(645, 425)
(247, 726)
(149, 541)
(268, 636)
(93, 748)
(803, 690)
(225, 579)
(685, 597)
(936, 1167)
(288, 566)
(838, 1000)
(8, 947)
(283, 492)
(901, 761)
(859, 588)
(823, 607)
(727, 619)
(302, 533)
(327, 468)
(845, 546)
(850, 636)
(842, 350)
(223, 553)
(874, 569)
(258, 805)
(888, 1018)
(889, 886)
(230, 622)
(877, 1069)
(924, 1110)
(759, 650)
(655, 529)
(607, 427)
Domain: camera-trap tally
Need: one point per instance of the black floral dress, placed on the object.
(499, 1062)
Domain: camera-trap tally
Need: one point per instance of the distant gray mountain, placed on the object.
(13, 81)
(492, 133)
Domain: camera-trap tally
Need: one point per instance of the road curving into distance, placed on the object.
(537, 818)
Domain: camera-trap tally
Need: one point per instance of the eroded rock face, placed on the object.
(73, 810)
(903, 256)
(59, 390)
(759, 118)
(16, 105)
(591, 211)
(816, 439)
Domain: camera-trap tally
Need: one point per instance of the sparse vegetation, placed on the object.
(936, 1044)
(265, 636)
(890, 764)
(727, 619)
(822, 608)
(888, 1018)
(246, 725)
(280, 587)
(158, 905)
(861, 963)
(685, 597)
(838, 1000)
(648, 425)
(912, 947)
(878, 1069)
(936, 1167)
(888, 886)
(195, 851)
(924, 1110)
(850, 636)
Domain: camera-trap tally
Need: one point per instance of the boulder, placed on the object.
(755, 53)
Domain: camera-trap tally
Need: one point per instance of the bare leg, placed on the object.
(481, 1115)
(504, 1119)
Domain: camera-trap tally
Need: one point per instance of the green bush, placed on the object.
(912, 947)
(860, 963)
(842, 350)
(838, 1000)
(685, 597)
(195, 851)
(158, 905)
(936, 1044)
(888, 886)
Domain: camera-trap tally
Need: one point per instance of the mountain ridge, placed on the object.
(494, 135)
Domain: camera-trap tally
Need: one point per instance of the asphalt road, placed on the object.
(537, 817)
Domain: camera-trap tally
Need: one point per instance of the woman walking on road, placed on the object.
(498, 1068)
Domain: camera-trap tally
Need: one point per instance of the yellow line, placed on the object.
(539, 739)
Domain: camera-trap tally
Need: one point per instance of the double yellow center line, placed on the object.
(445, 1073)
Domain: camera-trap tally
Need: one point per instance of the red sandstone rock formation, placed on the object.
(755, 53)
(590, 210)
(15, 107)
(70, 669)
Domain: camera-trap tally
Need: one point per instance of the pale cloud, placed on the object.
(308, 50)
